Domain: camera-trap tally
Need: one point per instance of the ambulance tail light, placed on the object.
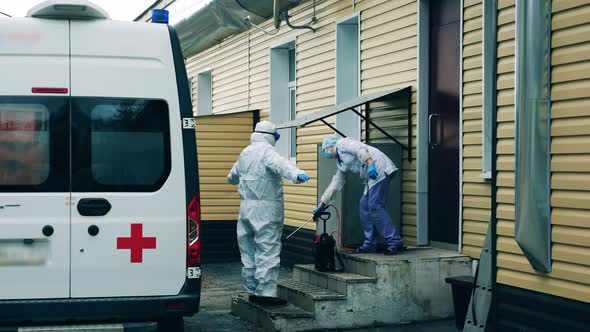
(193, 257)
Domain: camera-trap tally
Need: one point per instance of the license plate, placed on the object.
(16, 253)
(194, 272)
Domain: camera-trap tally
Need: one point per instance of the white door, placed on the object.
(34, 164)
(129, 214)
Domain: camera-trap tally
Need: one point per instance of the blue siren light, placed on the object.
(160, 16)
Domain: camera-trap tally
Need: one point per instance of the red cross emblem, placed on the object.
(136, 243)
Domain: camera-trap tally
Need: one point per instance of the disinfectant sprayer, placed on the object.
(324, 245)
(323, 248)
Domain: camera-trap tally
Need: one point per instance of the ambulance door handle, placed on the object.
(93, 207)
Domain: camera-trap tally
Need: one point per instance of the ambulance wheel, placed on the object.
(174, 324)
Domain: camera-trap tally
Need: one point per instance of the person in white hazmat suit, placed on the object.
(376, 171)
(260, 171)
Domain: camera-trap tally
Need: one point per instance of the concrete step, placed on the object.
(375, 289)
(368, 264)
(411, 285)
(334, 281)
(361, 264)
(306, 295)
(271, 317)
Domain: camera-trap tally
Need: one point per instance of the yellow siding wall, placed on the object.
(570, 148)
(389, 53)
(316, 89)
(241, 76)
(476, 192)
(240, 69)
(220, 140)
(229, 65)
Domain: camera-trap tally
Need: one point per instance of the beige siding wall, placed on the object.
(316, 89)
(476, 191)
(389, 31)
(220, 138)
(228, 63)
(570, 131)
(241, 76)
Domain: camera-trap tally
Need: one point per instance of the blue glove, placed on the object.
(302, 177)
(321, 208)
(372, 172)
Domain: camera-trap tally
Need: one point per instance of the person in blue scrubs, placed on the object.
(376, 170)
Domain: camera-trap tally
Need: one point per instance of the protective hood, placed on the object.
(329, 141)
(263, 132)
(264, 138)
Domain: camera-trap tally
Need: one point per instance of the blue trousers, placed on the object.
(375, 218)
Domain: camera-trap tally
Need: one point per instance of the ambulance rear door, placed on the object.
(34, 159)
(128, 212)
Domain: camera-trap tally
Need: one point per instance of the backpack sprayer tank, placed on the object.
(323, 248)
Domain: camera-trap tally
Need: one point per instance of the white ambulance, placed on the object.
(99, 205)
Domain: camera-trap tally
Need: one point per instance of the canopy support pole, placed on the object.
(333, 128)
(383, 132)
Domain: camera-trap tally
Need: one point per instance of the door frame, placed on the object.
(422, 161)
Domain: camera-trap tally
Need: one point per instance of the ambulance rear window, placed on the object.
(125, 144)
(24, 144)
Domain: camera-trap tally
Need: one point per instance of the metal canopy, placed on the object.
(351, 105)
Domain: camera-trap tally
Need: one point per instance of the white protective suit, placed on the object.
(351, 157)
(260, 171)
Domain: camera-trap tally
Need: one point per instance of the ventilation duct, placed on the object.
(201, 25)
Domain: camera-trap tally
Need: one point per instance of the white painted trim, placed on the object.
(422, 124)
(283, 42)
(208, 69)
(291, 137)
(341, 21)
(460, 242)
(293, 85)
(199, 81)
(346, 18)
(281, 101)
(360, 73)
(359, 65)
(487, 64)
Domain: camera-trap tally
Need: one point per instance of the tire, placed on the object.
(174, 324)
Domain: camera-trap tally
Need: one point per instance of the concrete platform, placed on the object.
(374, 290)
(411, 287)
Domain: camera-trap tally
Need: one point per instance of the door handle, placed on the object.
(434, 127)
(93, 207)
